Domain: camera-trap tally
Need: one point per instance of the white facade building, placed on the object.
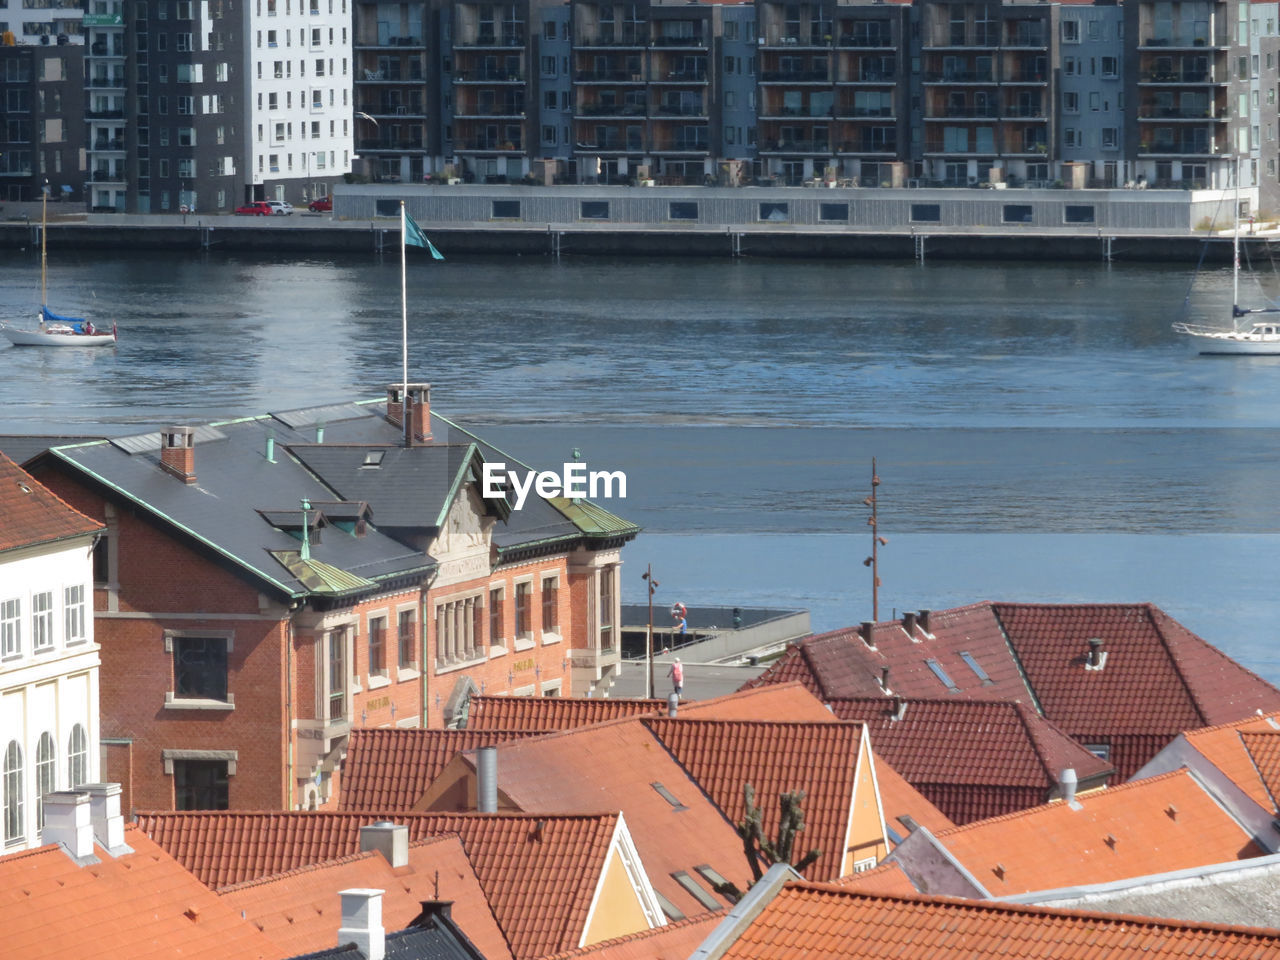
(298, 95)
(49, 726)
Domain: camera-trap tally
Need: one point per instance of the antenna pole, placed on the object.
(44, 259)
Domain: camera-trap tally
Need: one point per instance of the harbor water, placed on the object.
(1040, 432)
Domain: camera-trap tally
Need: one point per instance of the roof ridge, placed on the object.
(296, 871)
(1204, 646)
(836, 724)
(1081, 798)
(1004, 906)
(1158, 625)
(692, 921)
(1215, 728)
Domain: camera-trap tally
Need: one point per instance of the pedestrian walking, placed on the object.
(676, 673)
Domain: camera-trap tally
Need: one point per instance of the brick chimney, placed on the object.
(419, 409)
(178, 452)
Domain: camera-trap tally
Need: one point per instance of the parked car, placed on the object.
(257, 208)
(281, 208)
(321, 205)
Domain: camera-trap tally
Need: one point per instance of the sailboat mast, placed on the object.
(44, 260)
(1235, 252)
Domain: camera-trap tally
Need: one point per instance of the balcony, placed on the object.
(389, 145)
(695, 145)
(489, 76)
(1026, 35)
(984, 36)
(1016, 112)
(959, 76)
(513, 111)
(511, 39)
(107, 83)
(694, 41)
(627, 38)
(610, 145)
(1026, 76)
(399, 43)
(795, 146)
(989, 112)
(1191, 39)
(866, 40)
(1180, 76)
(680, 111)
(104, 177)
(681, 76)
(489, 145)
(800, 42)
(1177, 113)
(607, 76)
(592, 664)
(116, 144)
(795, 76)
(1182, 147)
(389, 76)
(610, 110)
(848, 112)
(104, 114)
(874, 145)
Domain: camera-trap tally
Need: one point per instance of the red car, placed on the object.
(321, 205)
(258, 208)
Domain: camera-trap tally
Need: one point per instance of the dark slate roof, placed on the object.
(22, 448)
(241, 508)
(433, 942)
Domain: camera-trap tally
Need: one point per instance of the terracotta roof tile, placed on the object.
(553, 713)
(899, 799)
(139, 906)
(886, 879)
(818, 758)
(32, 514)
(974, 759)
(539, 881)
(1160, 824)
(1248, 766)
(619, 766)
(389, 770)
(822, 922)
(675, 941)
(782, 702)
(300, 910)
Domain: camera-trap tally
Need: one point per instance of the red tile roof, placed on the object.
(900, 800)
(31, 514)
(888, 879)
(818, 758)
(974, 759)
(139, 906)
(675, 941)
(1156, 825)
(1158, 679)
(1245, 752)
(539, 880)
(783, 702)
(619, 766)
(823, 922)
(387, 769)
(300, 910)
(553, 713)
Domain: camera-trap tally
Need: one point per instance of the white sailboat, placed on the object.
(1259, 337)
(51, 329)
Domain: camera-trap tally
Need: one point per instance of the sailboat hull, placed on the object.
(1261, 340)
(56, 338)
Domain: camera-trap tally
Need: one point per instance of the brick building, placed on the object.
(268, 583)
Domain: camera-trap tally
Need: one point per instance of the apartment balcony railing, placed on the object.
(795, 146)
(697, 40)
(1179, 76)
(116, 144)
(965, 113)
(389, 76)
(809, 113)
(867, 146)
(610, 110)
(873, 41)
(107, 82)
(863, 113)
(514, 39)
(1015, 112)
(104, 114)
(608, 76)
(680, 111)
(680, 76)
(1177, 113)
(1183, 146)
(1026, 38)
(1026, 76)
(389, 143)
(1199, 38)
(681, 146)
(628, 39)
(610, 145)
(959, 76)
(795, 76)
(495, 144)
(489, 76)
(510, 111)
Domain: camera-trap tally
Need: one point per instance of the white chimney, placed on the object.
(487, 780)
(389, 839)
(104, 814)
(362, 922)
(66, 821)
(1068, 782)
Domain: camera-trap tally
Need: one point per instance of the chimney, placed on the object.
(433, 912)
(389, 839)
(1067, 784)
(104, 815)
(66, 821)
(884, 679)
(673, 704)
(362, 922)
(487, 780)
(864, 632)
(419, 410)
(899, 708)
(909, 624)
(924, 622)
(1097, 656)
(178, 453)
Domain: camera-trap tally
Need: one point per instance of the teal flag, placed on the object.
(414, 237)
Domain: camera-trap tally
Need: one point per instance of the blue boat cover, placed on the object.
(76, 323)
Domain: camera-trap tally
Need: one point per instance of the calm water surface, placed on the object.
(1040, 432)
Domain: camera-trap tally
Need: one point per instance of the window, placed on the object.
(377, 646)
(696, 891)
(73, 614)
(833, 211)
(668, 796)
(548, 66)
(594, 209)
(524, 629)
(775, 212)
(46, 774)
(926, 213)
(11, 628)
(550, 599)
(976, 667)
(1078, 213)
(682, 210)
(200, 668)
(42, 621)
(77, 757)
(1070, 31)
(102, 560)
(13, 794)
(1070, 66)
(1100, 750)
(182, 42)
(548, 133)
(497, 628)
(1070, 101)
(607, 593)
(1110, 138)
(1110, 67)
(200, 785)
(1017, 212)
(506, 209)
(338, 674)
(942, 675)
(405, 639)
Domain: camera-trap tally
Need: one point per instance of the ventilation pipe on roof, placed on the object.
(673, 704)
(362, 922)
(389, 839)
(67, 822)
(1067, 783)
(271, 449)
(923, 617)
(884, 679)
(899, 708)
(104, 815)
(1097, 656)
(487, 780)
(864, 632)
(909, 623)
(319, 433)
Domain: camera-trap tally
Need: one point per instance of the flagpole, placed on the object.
(404, 335)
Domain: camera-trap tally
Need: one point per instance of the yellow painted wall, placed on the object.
(618, 910)
(866, 834)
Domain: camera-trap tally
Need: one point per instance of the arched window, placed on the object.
(13, 794)
(46, 774)
(77, 757)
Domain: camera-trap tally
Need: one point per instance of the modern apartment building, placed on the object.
(40, 135)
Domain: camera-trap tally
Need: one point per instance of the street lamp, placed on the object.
(647, 576)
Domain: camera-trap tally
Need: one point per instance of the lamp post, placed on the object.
(647, 576)
(873, 561)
